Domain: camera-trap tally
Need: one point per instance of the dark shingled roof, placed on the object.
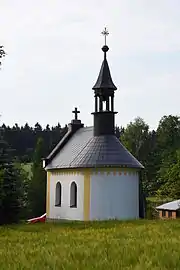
(104, 80)
(83, 150)
(104, 151)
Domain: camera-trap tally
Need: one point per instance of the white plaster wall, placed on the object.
(64, 211)
(114, 197)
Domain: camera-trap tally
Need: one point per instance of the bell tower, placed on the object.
(104, 88)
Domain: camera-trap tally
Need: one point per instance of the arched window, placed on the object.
(58, 194)
(73, 195)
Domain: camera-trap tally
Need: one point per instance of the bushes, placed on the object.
(151, 212)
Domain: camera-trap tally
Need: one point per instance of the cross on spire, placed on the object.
(76, 113)
(105, 33)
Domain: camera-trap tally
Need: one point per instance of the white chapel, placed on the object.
(90, 174)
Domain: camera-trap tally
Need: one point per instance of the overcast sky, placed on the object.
(54, 57)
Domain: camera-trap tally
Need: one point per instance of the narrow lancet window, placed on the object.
(58, 194)
(73, 195)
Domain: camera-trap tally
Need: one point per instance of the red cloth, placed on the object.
(37, 219)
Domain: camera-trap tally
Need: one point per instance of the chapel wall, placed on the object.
(65, 211)
(114, 195)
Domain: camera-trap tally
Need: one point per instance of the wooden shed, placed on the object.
(170, 210)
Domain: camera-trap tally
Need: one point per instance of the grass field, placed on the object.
(98, 245)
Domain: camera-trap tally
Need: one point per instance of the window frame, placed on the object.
(60, 195)
(74, 205)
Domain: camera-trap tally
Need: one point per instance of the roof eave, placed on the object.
(94, 166)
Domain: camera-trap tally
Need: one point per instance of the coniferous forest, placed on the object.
(158, 150)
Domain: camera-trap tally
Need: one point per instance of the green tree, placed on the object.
(135, 138)
(171, 187)
(24, 180)
(2, 53)
(168, 138)
(138, 140)
(168, 133)
(10, 186)
(37, 187)
(168, 142)
(1, 188)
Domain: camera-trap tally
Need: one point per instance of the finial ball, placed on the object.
(105, 48)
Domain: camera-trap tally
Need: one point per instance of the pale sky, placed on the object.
(54, 57)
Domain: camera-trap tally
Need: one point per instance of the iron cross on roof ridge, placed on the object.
(76, 113)
(105, 33)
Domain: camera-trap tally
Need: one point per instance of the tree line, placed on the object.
(22, 140)
(159, 151)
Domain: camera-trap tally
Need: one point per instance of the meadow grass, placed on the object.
(108, 245)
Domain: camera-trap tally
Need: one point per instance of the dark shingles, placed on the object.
(104, 80)
(84, 150)
(104, 151)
